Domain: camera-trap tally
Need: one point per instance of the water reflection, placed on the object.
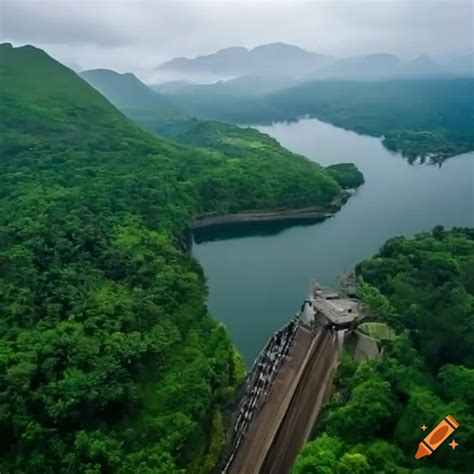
(248, 229)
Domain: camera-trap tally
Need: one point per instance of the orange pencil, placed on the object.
(437, 437)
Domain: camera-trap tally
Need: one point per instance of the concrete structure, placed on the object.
(290, 382)
(307, 312)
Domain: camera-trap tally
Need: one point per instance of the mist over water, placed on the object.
(257, 282)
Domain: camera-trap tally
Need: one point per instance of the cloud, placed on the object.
(59, 22)
(138, 35)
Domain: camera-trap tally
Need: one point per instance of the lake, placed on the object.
(257, 282)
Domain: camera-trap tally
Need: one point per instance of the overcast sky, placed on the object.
(137, 35)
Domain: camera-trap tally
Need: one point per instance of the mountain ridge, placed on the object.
(127, 92)
(293, 61)
(239, 60)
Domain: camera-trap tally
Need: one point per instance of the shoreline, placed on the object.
(274, 216)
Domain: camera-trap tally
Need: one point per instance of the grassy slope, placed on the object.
(54, 106)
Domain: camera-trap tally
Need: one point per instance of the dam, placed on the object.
(288, 385)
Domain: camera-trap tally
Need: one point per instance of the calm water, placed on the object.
(257, 283)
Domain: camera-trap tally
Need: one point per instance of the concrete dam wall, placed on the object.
(290, 382)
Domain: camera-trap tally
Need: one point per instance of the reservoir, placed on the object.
(259, 280)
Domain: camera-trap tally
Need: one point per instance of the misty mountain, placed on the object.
(128, 93)
(275, 58)
(261, 66)
(423, 66)
(463, 65)
(244, 85)
(370, 66)
(387, 66)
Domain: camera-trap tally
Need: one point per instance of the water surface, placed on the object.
(257, 282)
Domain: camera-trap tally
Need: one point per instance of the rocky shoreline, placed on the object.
(306, 214)
(284, 215)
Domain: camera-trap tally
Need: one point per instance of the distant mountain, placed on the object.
(221, 62)
(424, 66)
(259, 84)
(280, 60)
(243, 85)
(463, 65)
(275, 58)
(382, 66)
(128, 93)
(370, 66)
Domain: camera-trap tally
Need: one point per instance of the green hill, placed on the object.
(258, 173)
(109, 361)
(56, 104)
(127, 92)
(153, 111)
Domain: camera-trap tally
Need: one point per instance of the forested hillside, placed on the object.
(430, 118)
(416, 117)
(263, 153)
(153, 111)
(109, 361)
(424, 289)
(127, 92)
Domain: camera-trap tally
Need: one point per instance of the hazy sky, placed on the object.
(137, 35)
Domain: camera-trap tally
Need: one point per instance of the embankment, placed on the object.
(275, 216)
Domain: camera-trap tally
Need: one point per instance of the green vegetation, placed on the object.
(428, 118)
(151, 110)
(261, 174)
(424, 287)
(378, 331)
(128, 93)
(346, 174)
(109, 361)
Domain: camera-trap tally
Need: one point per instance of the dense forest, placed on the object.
(259, 150)
(424, 289)
(428, 118)
(109, 361)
